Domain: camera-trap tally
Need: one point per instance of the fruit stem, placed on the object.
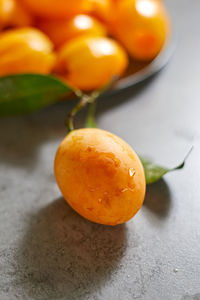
(84, 100)
(90, 120)
(70, 118)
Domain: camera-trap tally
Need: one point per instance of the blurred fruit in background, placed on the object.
(142, 26)
(14, 14)
(6, 10)
(77, 30)
(57, 8)
(21, 17)
(61, 31)
(25, 50)
(101, 9)
(90, 62)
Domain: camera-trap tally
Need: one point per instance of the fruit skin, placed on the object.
(91, 62)
(20, 16)
(56, 8)
(6, 11)
(101, 9)
(12, 13)
(61, 31)
(100, 176)
(142, 26)
(25, 50)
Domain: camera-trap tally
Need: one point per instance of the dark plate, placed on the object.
(139, 71)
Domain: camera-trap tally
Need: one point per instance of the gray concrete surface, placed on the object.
(48, 252)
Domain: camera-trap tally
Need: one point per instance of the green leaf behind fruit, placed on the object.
(155, 172)
(26, 93)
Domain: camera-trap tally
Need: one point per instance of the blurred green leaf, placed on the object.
(26, 93)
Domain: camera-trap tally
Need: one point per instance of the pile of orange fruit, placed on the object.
(84, 42)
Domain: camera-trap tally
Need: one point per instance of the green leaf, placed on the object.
(90, 121)
(154, 172)
(26, 93)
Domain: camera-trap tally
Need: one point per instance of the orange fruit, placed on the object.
(61, 31)
(12, 13)
(89, 63)
(142, 26)
(100, 176)
(57, 8)
(6, 11)
(21, 17)
(101, 9)
(25, 50)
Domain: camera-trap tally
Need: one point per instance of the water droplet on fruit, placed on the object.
(131, 172)
(127, 189)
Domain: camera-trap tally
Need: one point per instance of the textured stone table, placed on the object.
(48, 252)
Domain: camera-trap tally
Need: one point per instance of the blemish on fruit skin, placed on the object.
(113, 158)
(90, 208)
(106, 200)
(105, 162)
(76, 138)
(89, 149)
(99, 155)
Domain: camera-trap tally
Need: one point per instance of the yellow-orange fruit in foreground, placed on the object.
(100, 176)
(57, 8)
(25, 50)
(142, 26)
(91, 62)
(61, 31)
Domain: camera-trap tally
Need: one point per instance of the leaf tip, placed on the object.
(182, 164)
